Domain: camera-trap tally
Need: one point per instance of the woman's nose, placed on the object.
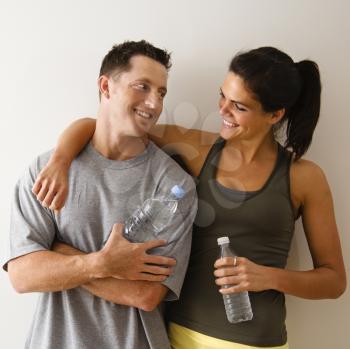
(224, 110)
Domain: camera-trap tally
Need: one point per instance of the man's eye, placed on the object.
(141, 86)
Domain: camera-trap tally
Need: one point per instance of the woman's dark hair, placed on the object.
(277, 82)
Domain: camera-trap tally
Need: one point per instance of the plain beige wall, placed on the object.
(50, 56)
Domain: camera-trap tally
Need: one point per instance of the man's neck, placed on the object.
(114, 145)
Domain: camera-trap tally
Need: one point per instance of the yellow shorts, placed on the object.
(184, 338)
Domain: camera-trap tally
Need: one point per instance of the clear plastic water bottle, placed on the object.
(148, 220)
(237, 305)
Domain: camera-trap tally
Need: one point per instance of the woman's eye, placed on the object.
(237, 106)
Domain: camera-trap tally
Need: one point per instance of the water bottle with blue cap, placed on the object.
(149, 220)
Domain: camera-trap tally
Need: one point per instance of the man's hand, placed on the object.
(122, 259)
(136, 293)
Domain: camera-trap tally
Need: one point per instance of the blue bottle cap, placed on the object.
(178, 191)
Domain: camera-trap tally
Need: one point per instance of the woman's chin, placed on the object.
(227, 134)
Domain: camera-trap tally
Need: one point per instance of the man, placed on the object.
(96, 295)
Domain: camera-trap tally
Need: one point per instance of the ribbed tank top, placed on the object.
(260, 227)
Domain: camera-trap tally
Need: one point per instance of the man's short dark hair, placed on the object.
(118, 58)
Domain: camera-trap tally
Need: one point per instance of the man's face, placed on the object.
(136, 96)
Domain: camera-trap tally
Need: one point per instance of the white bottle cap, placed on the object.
(223, 240)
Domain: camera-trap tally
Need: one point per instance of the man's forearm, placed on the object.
(49, 271)
(140, 294)
(145, 295)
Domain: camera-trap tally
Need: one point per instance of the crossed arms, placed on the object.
(121, 272)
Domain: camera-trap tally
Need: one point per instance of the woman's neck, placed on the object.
(251, 150)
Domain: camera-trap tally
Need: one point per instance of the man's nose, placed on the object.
(152, 101)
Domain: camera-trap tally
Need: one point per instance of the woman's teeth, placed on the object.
(229, 124)
(143, 114)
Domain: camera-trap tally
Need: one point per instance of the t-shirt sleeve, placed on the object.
(32, 226)
(179, 238)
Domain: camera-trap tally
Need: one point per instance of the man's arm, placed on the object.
(49, 271)
(33, 267)
(145, 295)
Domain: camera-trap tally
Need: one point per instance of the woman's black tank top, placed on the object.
(260, 226)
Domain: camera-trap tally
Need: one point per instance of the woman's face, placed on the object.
(242, 114)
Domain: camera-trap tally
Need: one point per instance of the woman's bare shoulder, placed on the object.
(307, 179)
(307, 171)
(192, 145)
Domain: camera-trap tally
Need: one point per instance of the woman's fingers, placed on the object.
(224, 262)
(50, 194)
(37, 186)
(230, 261)
(228, 280)
(43, 191)
(245, 276)
(49, 197)
(59, 199)
(233, 273)
(226, 272)
(51, 185)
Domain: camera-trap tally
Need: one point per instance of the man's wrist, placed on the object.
(94, 265)
(91, 262)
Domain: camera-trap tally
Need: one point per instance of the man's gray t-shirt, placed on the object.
(101, 193)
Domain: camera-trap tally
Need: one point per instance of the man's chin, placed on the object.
(139, 134)
(143, 130)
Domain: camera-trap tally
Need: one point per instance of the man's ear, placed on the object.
(277, 116)
(103, 86)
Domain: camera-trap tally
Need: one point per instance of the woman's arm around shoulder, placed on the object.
(191, 144)
(51, 186)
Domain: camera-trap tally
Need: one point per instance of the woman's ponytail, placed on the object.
(303, 115)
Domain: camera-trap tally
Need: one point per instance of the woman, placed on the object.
(251, 189)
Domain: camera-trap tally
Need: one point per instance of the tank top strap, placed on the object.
(282, 167)
(210, 161)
